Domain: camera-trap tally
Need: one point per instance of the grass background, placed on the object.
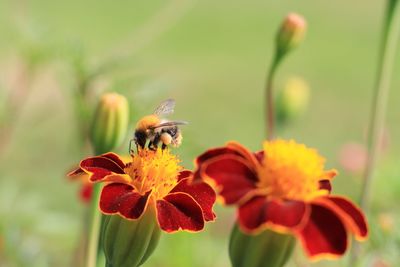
(211, 56)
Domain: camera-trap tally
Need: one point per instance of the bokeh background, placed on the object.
(212, 57)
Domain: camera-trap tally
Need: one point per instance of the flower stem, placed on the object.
(390, 36)
(379, 102)
(269, 100)
(95, 225)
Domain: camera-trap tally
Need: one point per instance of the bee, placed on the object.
(154, 129)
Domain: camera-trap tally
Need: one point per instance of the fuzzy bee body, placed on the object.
(170, 135)
(155, 130)
(145, 129)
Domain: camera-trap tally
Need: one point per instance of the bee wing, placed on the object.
(165, 108)
(169, 124)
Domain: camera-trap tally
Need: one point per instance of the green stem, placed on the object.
(390, 36)
(93, 253)
(269, 99)
(95, 225)
(380, 99)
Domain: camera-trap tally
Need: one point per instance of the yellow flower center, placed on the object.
(292, 171)
(154, 170)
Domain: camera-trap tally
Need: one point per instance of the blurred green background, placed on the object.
(211, 56)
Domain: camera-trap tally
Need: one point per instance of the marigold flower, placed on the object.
(284, 188)
(151, 178)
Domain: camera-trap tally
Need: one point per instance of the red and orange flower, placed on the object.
(285, 188)
(151, 178)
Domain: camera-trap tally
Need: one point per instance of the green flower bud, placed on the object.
(290, 34)
(110, 122)
(267, 249)
(129, 243)
(292, 100)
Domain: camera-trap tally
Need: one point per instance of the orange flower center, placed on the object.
(292, 171)
(154, 170)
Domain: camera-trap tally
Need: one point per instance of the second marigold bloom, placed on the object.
(284, 188)
(151, 178)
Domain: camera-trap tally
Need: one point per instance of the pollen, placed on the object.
(154, 170)
(292, 171)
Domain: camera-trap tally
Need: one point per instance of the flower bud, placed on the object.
(266, 249)
(129, 243)
(292, 100)
(290, 34)
(110, 122)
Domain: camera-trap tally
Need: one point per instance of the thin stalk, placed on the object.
(93, 253)
(380, 99)
(269, 100)
(95, 225)
(390, 37)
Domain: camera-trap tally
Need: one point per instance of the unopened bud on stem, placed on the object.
(290, 34)
(110, 122)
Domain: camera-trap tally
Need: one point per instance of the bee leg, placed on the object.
(130, 146)
(152, 146)
(154, 143)
(131, 151)
(164, 146)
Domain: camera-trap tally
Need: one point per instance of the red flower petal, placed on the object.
(99, 167)
(244, 152)
(201, 192)
(114, 157)
(282, 216)
(326, 185)
(122, 199)
(111, 156)
(86, 192)
(259, 156)
(179, 211)
(232, 177)
(210, 154)
(75, 173)
(184, 174)
(351, 215)
(117, 178)
(324, 235)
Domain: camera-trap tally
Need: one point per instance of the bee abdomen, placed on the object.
(170, 130)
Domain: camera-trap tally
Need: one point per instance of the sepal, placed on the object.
(129, 243)
(266, 249)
